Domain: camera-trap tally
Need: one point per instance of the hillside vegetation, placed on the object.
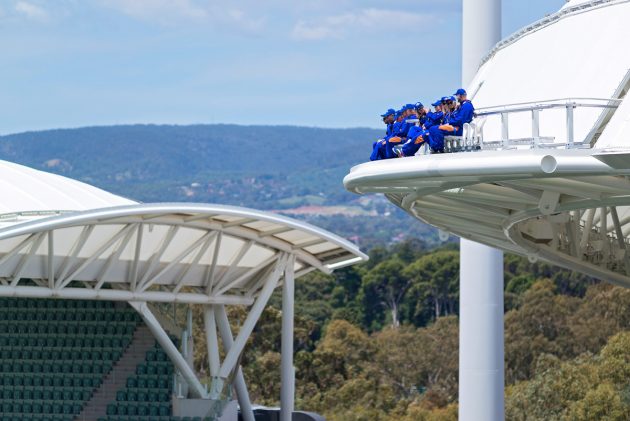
(264, 167)
(380, 342)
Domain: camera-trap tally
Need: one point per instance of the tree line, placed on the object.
(379, 341)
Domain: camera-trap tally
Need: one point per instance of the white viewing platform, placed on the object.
(543, 170)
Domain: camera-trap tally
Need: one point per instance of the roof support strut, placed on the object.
(174, 355)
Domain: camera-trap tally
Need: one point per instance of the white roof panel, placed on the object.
(23, 189)
(566, 57)
(55, 230)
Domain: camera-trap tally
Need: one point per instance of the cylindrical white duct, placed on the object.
(481, 375)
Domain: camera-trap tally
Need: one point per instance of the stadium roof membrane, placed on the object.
(61, 237)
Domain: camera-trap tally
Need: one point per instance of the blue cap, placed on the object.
(388, 112)
(419, 105)
(446, 98)
(409, 107)
(460, 91)
(438, 102)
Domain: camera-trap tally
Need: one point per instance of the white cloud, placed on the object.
(163, 11)
(338, 26)
(31, 11)
(177, 12)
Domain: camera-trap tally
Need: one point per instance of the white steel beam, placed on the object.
(198, 390)
(63, 281)
(17, 275)
(15, 250)
(236, 259)
(179, 282)
(213, 266)
(120, 295)
(114, 257)
(588, 226)
(135, 265)
(154, 261)
(176, 260)
(212, 342)
(245, 276)
(51, 259)
(287, 371)
(78, 245)
(250, 321)
(239, 380)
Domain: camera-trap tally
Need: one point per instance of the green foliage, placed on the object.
(587, 388)
(263, 167)
(567, 348)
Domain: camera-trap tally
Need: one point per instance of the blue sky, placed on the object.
(71, 63)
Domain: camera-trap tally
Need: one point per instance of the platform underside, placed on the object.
(566, 207)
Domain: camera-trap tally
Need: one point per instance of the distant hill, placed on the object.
(266, 167)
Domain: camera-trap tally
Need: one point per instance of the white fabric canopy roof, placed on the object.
(62, 233)
(567, 55)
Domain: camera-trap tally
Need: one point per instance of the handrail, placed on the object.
(547, 104)
(535, 107)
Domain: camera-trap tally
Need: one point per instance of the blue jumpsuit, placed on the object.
(400, 131)
(456, 119)
(433, 119)
(417, 135)
(378, 147)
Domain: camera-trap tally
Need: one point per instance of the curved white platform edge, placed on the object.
(568, 207)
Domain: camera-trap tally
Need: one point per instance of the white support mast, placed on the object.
(481, 362)
(287, 383)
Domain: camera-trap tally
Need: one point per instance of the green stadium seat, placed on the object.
(111, 409)
(141, 369)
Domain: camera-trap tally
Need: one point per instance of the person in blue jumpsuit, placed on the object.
(422, 112)
(415, 132)
(454, 122)
(407, 120)
(434, 118)
(378, 147)
(417, 136)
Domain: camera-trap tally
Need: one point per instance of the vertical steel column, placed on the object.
(212, 342)
(174, 355)
(536, 127)
(570, 132)
(287, 381)
(481, 376)
(239, 380)
(505, 131)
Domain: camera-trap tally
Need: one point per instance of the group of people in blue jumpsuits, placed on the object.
(412, 126)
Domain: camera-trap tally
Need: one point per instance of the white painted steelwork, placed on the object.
(65, 239)
(534, 203)
(569, 207)
(192, 253)
(556, 186)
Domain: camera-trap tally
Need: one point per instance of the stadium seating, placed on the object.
(55, 353)
(147, 393)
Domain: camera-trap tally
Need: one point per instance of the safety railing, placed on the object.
(475, 135)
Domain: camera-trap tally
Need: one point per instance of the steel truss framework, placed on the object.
(570, 208)
(185, 253)
(182, 253)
